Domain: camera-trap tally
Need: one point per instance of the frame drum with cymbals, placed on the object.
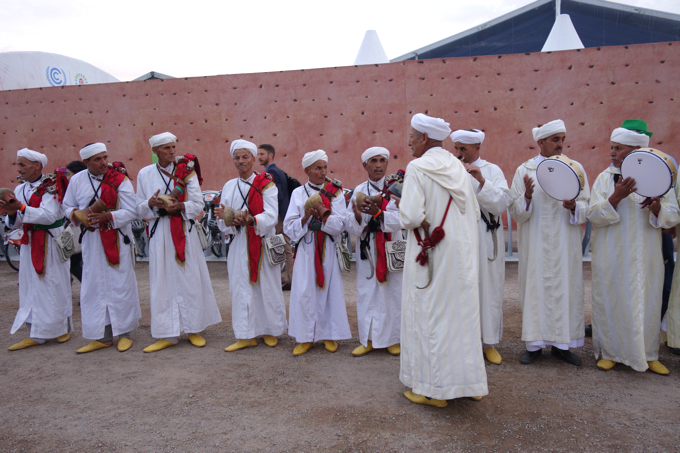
(560, 177)
(654, 171)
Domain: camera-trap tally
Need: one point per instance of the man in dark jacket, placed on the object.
(265, 155)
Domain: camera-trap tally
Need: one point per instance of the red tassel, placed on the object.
(61, 185)
(197, 167)
(437, 235)
(422, 258)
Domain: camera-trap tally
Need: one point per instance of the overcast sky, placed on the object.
(128, 38)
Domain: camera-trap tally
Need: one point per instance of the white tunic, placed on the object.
(44, 301)
(316, 313)
(672, 318)
(182, 297)
(628, 273)
(494, 198)
(257, 308)
(550, 263)
(378, 304)
(441, 346)
(108, 295)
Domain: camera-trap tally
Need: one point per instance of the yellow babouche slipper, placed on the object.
(157, 346)
(302, 348)
(605, 364)
(492, 356)
(270, 340)
(476, 398)
(95, 345)
(196, 340)
(63, 338)
(331, 345)
(23, 344)
(395, 349)
(124, 344)
(420, 399)
(362, 350)
(240, 344)
(656, 367)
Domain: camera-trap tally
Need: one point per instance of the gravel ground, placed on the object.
(264, 399)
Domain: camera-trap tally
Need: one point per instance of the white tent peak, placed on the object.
(371, 51)
(563, 36)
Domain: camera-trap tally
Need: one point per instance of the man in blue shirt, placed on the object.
(265, 155)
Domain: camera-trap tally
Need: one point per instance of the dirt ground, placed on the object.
(264, 399)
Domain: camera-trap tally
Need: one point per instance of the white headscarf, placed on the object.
(630, 138)
(375, 151)
(471, 137)
(92, 150)
(33, 156)
(435, 128)
(548, 129)
(243, 144)
(314, 156)
(162, 139)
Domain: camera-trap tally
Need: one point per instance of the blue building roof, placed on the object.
(597, 22)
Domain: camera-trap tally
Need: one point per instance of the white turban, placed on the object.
(33, 156)
(435, 128)
(548, 129)
(630, 138)
(243, 144)
(375, 151)
(314, 156)
(92, 150)
(162, 139)
(471, 137)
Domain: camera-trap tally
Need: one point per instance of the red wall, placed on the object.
(346, 110)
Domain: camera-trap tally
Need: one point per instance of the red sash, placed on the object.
(381, 255)
(256, 206)
(56, 184)
(109, 195)
(187, 166)
(328, 193)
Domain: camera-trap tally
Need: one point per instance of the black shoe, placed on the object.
(675, 351)
(530, 356)
(286, 286)
(589, 330)
(567, 356)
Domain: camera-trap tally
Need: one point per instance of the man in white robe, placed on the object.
(317, 298)
(493, 196)
(182, 297)
(109, 302)
(627, 262)
(378, 290)
(45, 290)
(550, 256)
(441, 346)
(257, 303)
(671, 321)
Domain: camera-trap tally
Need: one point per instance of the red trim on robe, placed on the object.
(183, 174)
(381, 255)
(109, 195)
(256, 206)
(320, 237)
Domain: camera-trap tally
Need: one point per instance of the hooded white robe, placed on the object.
(182, 297)
(378, 304)
(550, 263)
(672, 318)
(494, 198)
(108, 295)
(256, 308)
(316, 313)
(441, 346)
(628, 272)
(44, 301)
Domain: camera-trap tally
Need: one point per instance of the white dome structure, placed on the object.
(20, 70)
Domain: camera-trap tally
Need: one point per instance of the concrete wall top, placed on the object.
(348, 109)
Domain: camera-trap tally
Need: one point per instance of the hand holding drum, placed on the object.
(229, 215)
(315, 204)
(81, 215)
(369, 204)
(8, 201)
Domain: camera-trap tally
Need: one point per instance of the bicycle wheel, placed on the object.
(12, 255)
(216, 244)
